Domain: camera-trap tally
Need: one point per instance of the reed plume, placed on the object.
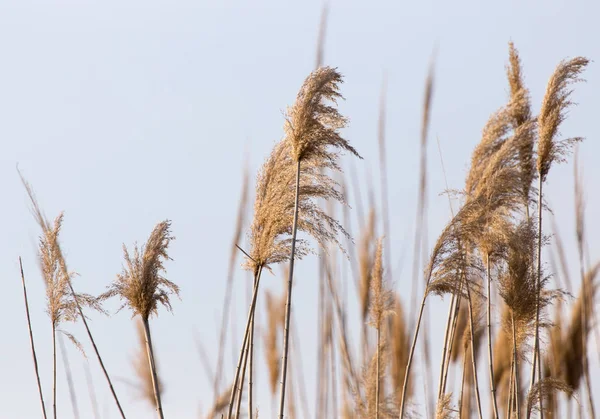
(142, 287)
(49, 236)
(521, 118)
(61, 304)
(444, 409)
(550, 150)
(312, 130)
(380, 308)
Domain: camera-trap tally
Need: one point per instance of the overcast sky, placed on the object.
(125, 113)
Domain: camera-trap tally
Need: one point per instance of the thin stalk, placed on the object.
(241, 386)
(72, 394)
(511, 383)
(489, 329)
(54, 370)
(473, 358)
(516, 366)
(452, 336)
(150, 350)
(91, 390)
(378, 366)
(446, 339)
(245, 340)
(584, 358)
(250, 370)
(536, 347)
(288, 305)
(462, 385)
(89, 333)
(35, 363)
(411, 354)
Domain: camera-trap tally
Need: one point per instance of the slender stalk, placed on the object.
(536, 347)
(584, 326)
(377, 390)
(54, 370)
(489, 329)
(452, 336)
(245, 340)
(462, 385)
(411, 354)
(250, 371)
(150, 350)
(89, 333)
(241, 386)
(72, 394)
(516, 366)
(35, 363)
(509, 404)
(288, 304)
(473, 357)
(446, 340)
(91, 390)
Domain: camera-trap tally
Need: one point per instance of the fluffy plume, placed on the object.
(312, 125)
(60, 304)
(444, 408)
(544, 389)
(521, 119)
(381, 300)
(142, 284)
(312, 137)
(553, 112)
(365, 400)
(365, 261)
(570, 352)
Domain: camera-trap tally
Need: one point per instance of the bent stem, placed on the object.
(245, 340)
(288, 305)
(152, 363)
(35, 363)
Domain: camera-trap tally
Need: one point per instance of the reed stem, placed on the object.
(489, 330)
(288, 305)
(245, 340)
(35, 363)
(152, 362)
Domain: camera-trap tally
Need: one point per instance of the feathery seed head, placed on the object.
(381, 296)
(142, 285)
(312, 125)
(553, 112)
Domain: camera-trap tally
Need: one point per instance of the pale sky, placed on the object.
(125, 113)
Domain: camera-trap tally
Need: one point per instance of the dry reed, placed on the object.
(142, 287)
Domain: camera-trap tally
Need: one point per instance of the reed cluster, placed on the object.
(507, 338)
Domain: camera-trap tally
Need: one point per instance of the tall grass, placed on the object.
(489, 251)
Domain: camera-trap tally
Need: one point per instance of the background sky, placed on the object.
(125, 113)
